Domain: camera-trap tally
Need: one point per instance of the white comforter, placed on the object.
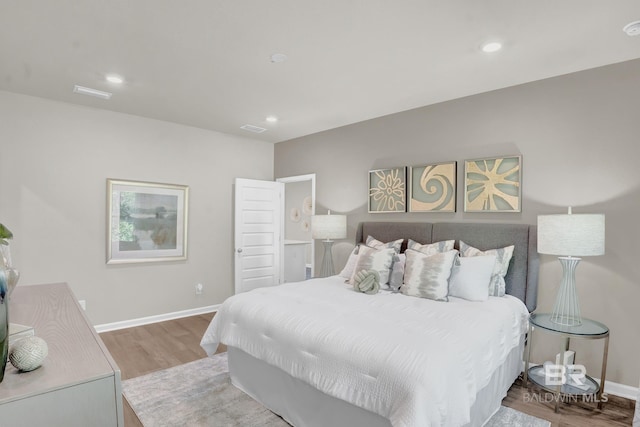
(414, 361)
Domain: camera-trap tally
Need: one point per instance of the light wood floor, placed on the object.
(144, 349)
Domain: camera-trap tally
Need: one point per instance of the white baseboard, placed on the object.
(154, 319)
(621, 390)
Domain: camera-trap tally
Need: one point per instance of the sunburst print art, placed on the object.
(493, 185)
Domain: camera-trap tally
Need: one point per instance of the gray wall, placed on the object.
(579, 138)
(295, 193)
(54, 162)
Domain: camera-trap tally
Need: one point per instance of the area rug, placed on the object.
(200, 393)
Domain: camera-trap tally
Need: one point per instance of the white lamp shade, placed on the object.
(329, 226)
(571, 234)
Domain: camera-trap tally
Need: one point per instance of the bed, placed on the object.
(318, 353)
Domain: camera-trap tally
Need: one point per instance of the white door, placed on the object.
(258, 233)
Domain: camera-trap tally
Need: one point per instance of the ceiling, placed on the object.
(206, 63)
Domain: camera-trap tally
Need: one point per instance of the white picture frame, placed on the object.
(146, 221)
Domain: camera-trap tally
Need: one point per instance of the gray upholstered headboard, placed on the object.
(522, 277)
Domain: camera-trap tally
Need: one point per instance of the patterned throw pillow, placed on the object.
(396, 245)
(374, 243)
(431, 248)
(375, 259)
(427, 276)
(503, 256)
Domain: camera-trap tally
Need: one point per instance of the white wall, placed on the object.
(54, 162)
(579, 138)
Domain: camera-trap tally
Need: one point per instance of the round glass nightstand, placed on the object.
(564, 384)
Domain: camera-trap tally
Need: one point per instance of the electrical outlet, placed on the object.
(83, 304)
(199, 289)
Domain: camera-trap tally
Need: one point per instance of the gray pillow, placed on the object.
(397, 273)
(427, 276)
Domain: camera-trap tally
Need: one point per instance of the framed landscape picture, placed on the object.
(146, 221)
(493, 185)
(388, 190)
(432, 188)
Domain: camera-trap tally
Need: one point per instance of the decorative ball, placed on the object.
(28, 353)
(367, 281)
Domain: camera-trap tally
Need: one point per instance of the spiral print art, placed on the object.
(433, 188)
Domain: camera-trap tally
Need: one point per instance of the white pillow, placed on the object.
(503, 256)
(471, 277)
(347, 271)
(375, 259)
(427, 276)
(431, 248)
(374, 243)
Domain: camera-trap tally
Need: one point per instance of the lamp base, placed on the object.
(327, 268)
(566, 310)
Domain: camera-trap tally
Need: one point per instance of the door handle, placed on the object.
(239, 250)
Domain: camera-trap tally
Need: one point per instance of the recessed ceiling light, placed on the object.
(272, 119)
(91, 92)
(632, 28)
(491, 47)
(112, 78)
(278, 57)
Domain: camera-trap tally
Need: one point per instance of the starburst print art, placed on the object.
(387, 190)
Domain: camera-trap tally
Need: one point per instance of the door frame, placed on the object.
(299, 178)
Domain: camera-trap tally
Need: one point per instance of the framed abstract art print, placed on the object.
(432, 188)
(388, 190)
(493, 184)
(146, 221)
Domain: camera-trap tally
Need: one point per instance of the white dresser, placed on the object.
(78, 383)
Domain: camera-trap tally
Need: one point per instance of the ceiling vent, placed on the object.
(252, 128)
(92, 92)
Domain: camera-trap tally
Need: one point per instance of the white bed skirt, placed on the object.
(304, 406)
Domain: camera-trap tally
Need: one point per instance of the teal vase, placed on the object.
(4, 321)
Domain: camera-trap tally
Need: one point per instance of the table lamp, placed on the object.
(570, 236)
(328, 227)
